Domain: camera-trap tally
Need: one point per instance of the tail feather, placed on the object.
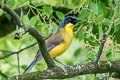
(30, 66)
(38, 57)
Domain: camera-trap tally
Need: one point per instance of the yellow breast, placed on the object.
(62, 47)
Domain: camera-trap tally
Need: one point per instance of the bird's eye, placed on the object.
(69, 20)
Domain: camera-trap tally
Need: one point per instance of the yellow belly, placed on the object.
(62, 47)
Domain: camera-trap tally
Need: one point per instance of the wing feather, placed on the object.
(54, 40)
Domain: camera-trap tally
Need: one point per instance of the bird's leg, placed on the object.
(61, 63)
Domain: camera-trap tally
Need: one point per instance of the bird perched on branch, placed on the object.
(58, 43)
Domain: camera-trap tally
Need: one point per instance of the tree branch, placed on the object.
(15, 52)
(12, 14)
(105, 36)
(42, 46)
(32, 31)
(3, 75)
(68, 72)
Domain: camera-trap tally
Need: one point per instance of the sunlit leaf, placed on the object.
(10, 3)
(84, 14)
(116, 28)
(75, 2)
(102, 9)
(25, 19)
(80, 34)
(117, 21)
(90, 55)
(0, 2)
(60, 15)
(53, 27)
(106, 22)
(94, 7)
(48, 10)
(1, 12)
(39, 25)
(33, 20)
(100, 32)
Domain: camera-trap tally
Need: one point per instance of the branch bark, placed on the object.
(105, 36)
(42, 46)
(68, 72)
(32, 31)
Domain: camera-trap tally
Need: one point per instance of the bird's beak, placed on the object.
(77, 20)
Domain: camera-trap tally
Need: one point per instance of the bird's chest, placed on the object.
(68, 36)
(62, 47)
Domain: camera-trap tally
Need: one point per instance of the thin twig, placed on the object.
(12, 53)
(105, 35)
(27, 47)
(15, 52)
(18, 60)
(7, 55)
(13, 15)
(6, 51)
(3, 75)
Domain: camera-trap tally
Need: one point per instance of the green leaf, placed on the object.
(60, 15)
(25, 19)
(38, 25)
(0, 2)
(33, 20)
(90, 55)
(102, 9)
(117, 22)
(100, 32)
(1, 12)
(83, 14)
(116, 28)
(24, 67)
(109, 55)
(10, 3)
(94, 8)
(80, 34)
(54, 27)
(91, 40)
(75, 2)
(47, 10)
(78, 52)
(8, 17)
(106, 22)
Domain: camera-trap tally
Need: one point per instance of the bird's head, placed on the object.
(69, 20)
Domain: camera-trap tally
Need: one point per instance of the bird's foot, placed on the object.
(65, 65)
(97, 65)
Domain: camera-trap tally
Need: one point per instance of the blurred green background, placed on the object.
(95, 15)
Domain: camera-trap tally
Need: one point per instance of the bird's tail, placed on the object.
(37, 58)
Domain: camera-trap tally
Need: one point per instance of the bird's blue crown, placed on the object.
(68, 19)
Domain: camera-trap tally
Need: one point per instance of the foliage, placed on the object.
(96, 17)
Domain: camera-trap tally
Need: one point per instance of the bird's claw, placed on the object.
(97, 65)
(65, 65)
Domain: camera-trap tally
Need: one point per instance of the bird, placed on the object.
(59, 42)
